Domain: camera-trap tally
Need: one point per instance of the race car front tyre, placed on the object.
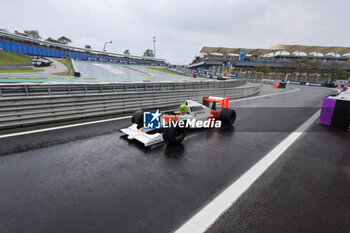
(137, 118)
(173, 135)
(227, 116)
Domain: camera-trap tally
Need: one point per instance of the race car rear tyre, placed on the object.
(173, 135)
(227, 116)
(137, 118)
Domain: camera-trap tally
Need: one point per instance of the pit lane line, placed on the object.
(124, 117)
(203, 219)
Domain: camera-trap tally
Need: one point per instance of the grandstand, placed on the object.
(10, 42)
(214, 59)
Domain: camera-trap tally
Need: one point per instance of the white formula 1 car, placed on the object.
(172, 124)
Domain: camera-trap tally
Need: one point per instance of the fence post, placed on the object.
(26, 88)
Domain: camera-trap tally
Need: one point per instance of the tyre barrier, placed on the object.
(32, 110)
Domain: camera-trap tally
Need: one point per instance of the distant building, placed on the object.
(215, 59)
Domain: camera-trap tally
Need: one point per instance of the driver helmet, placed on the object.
(183, 108)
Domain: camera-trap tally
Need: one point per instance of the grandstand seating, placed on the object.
(24, 49)
(22, 45)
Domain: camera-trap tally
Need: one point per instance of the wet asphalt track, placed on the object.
(307, 190)
(91, 179)
(97, 72)
(101, 71)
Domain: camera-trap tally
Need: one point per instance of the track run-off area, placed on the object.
(98, 72)
(87, 177)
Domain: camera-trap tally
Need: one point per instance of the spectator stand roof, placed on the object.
(236, 51)
(342, 51)
(313, 49)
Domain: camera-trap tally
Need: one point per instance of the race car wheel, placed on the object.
(227, 116)
(174, 135)
(137, 118)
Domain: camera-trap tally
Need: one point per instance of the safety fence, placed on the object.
(54, 50)
(20, 89)
(32, 110)
(35, 51)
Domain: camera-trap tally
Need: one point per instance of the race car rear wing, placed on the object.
(224, 101)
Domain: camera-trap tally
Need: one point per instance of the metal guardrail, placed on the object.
(75, 69)
(22, 90)
(26, 66)
(22, 111)
(261, 81)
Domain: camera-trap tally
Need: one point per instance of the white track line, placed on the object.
(62, 127)
(260, 96)
(119, 118)
(202, 220)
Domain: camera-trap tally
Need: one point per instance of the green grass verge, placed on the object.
(19, 71)
(12, 58)
(62, 74)
(136, 70)
(64, 62)
(162, 70)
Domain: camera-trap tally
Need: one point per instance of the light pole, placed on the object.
(104, 47)
(154, 46)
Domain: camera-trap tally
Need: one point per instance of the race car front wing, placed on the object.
(147, 139)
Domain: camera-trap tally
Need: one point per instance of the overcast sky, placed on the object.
(181, 26)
